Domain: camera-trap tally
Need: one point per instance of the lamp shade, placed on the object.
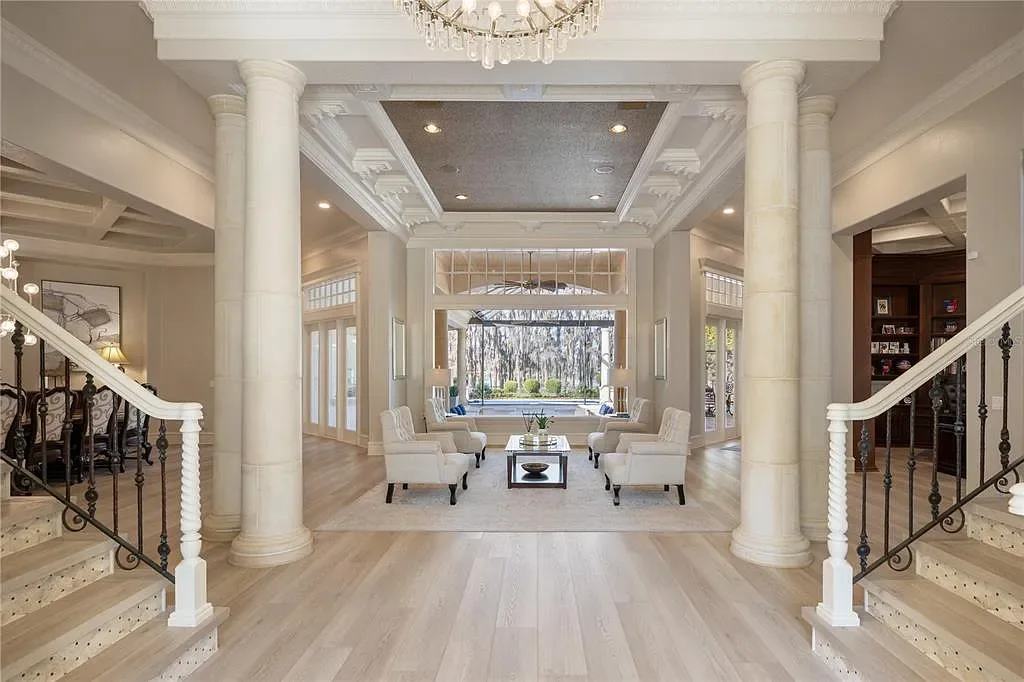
(439, 376)
(113, 355)
(621, 376)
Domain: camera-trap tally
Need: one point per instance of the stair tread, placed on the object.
(954, 619)
(875, 653)
(37, 562)
(44, 631)
(994, 508)
(976, 558)
(17, 510)
(144, 653)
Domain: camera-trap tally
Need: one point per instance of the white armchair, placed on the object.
(430, 460)
(651, 459)
(463, 429)
(606, 438)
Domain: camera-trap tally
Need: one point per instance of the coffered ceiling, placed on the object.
(526, 156)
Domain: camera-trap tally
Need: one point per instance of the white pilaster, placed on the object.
(815, 113)
(272, 529)
(769, 531)
(462, 362)
(225, 518)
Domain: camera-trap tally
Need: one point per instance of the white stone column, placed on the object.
(272, 529)
(605, 392)
(769, 531)
(462, 362)
(815, 113)
(225, 518)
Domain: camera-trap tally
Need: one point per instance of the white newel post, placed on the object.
(836, 605)
(1016, 504)
(815, 113)
(225, 518)
(190, 605)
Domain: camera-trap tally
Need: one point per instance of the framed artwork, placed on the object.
(91, 312)
(889, 329)
(661, 349)
(883, 305)
(397, 348)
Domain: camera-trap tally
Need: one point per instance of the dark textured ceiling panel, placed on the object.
(526, 156)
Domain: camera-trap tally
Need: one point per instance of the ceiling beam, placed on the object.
(104, 219)
(947, 224)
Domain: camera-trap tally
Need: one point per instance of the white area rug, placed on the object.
(489, 505)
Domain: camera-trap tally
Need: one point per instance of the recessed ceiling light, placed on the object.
(432, 128)
(618, 129)
(324, 205)
(461, 197)
(604, 170)
(595, 197)
(728, 210)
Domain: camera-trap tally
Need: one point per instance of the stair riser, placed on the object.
(24, 600)
(997, 600)
(833, 660)
(959, 661)
(5, 481)
(189, 662)
(19, 536)
(996, 534)
(91, 643)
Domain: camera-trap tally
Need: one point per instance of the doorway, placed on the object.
(330, 380)
(721, 379)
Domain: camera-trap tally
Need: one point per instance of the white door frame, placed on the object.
(722, 433)
(339, 430)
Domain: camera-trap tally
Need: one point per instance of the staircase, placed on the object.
(68, 612)
(958, 616)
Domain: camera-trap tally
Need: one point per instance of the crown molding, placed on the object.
(110, 256)
(34, 60)
(386, 129)
(987, 74)
(663, 132)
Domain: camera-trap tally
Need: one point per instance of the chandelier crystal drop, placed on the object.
(503, 30)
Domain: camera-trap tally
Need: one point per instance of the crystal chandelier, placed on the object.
(532, 29)
(9, 275)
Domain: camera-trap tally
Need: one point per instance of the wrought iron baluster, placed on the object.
(911, 464)
(1004, 483)
(982, 416)
(71, 519)
(140, 476)
(23, 485)
(958, 424)
(44, 410)
(887, 476)
(863, 549)
(934, 498)
(161, 447)
(89, 393)
(115, 466)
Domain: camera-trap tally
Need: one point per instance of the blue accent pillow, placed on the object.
(459, 409)
(606, 409)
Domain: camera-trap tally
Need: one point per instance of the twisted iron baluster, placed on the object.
(91, 496)
(21, 483)
(982, 417)
(69, 517)
(140, 477)
(887, 477)
(934, 498)
(952, 524)
(1003, 484)
(911, 465)
(115, 469)
(44, 410)
(163, 549)
(863, 549)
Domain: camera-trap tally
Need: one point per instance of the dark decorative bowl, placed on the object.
(534, 467)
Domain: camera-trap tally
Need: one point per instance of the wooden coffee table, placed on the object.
(518, 452)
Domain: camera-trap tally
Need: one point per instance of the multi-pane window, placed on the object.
(530, 271)
(330, 293)
(723, 290)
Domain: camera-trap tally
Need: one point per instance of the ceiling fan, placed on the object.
(531, 284)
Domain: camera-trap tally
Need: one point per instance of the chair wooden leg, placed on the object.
(590, 453)
(478, 460)
(682, 495)
(483, 454)
(405, 486)
(666, 488)
(391, 493)
(607, 482)
(597, 456)
(615, 490)
(464, 486)
(452, 488)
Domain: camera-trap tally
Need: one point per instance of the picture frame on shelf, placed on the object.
(883, 305)
(875, 347)
(889, 329)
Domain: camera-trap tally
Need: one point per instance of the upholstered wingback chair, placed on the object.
(606, 438)
(651, 459)
(463, 429)
(408, 460)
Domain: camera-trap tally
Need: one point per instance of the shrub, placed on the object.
(511, 386)
(553, 386)
(453, 391)
(532, 386)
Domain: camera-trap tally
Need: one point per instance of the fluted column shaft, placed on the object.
(815, 114)
(224, 520)
(769, 531)
(272, 529)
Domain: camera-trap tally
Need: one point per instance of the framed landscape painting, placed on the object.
(91, 312)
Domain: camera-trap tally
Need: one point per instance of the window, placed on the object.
(333, 292)
(723, 290)
(530, 271)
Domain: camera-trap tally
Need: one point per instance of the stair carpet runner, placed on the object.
(69, 613)
(957, 614)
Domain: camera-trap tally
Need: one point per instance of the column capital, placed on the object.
(226, 104)
(790, 69)
(814, 109)
(276, 70)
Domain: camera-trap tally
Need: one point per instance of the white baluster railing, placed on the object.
(191, 606)
(836, 606)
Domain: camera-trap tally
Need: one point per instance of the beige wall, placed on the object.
(672, 299)
(385, 298)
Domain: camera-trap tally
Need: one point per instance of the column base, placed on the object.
(221, 527)
(786, 552)
(255, 551)
(815, 531)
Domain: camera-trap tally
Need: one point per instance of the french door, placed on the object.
(330, 380)
(721, 379)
